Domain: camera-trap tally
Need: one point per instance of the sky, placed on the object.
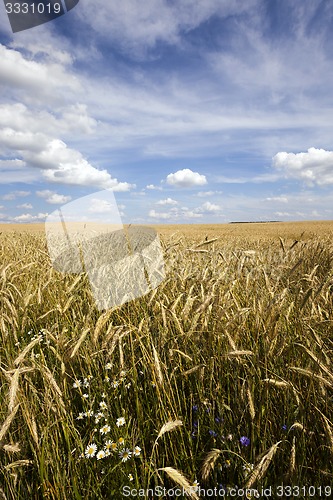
(190, 112)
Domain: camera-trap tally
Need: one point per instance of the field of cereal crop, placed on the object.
(221, 377)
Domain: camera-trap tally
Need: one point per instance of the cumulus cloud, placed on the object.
(41, 77)
(58, 163)
(210, 207)
(315, 166)
(152, 187)
(52, 197)
(100, 206)
(15, 194)
(30, 218)
(25, 206)
(167, 201)
(186, 178)
(279, 199)
(159, 215)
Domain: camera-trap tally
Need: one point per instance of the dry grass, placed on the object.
(232, 352)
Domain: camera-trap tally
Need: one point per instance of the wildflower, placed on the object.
(244, 441)
(103, 395)
(230, 437)
(100, 454)
(137, 451)
(98, 417)
(108, 445)
(80, 417)
(121, 441)
(77, 384)
(195, 424)
(212, 433)
(130, 477)
(227, 464)
(123, 373)
(108, 366)
(218, 420)
(195, 485)
(85, 382)
(103, 405)
(128, 385)
(89, 413)
(284, 427)
(114, 384)
(125, 454)
(91, 450)
(248, 468)
(107, 379)
(120, 422)
(105, 429)
(85, 396)
(195, 407)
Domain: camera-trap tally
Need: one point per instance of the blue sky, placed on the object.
(191, 112)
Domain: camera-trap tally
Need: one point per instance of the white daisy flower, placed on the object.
(77, 384)
(105, 429)
(130, 477)
(81, 416)
(137, 451)
(100, 454)
(121, 441)
(125, 454)
(103, 405)
(120, 422)
(85, 396)
(91, 450)
(108, 366)
(89, 413)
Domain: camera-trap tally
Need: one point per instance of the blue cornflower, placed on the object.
(244, 441)
(284, 427)
(195, 424)
(212, 433)
(195, 407)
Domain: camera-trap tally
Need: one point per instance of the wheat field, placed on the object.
(222, 377)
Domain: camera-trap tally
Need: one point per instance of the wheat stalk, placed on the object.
(7, 422)
(181, 480)
(260, 470)
(209, 462)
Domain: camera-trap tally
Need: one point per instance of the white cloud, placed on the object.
(315, 166)
(210, 207)
(15, 194)
(100, 206)
(26, 206)
(279, 199)
(34, 77)
(30, 218)
(203, 194)
(152, 187)
(59, 163)
(136, 26)
(159, 215)
(167, 201)
(186, 178)
(52, 197)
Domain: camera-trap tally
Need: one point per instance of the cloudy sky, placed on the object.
(191, 112)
